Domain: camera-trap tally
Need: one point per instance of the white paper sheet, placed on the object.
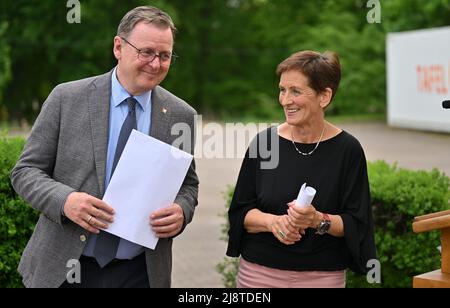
(305, 196)
(147, 177)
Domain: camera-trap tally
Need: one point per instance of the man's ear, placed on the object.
(117, 47)
(325, 97)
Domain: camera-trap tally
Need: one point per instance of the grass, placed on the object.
(377, 117)
(280, 119)
(14, 128)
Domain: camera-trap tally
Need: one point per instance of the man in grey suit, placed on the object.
(71, 153)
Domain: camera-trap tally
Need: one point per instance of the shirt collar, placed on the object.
(119, 94)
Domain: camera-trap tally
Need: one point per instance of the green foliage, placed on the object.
(405, 15)
(5, 67)
(17, 219)
(228, 49)
(229, 266)
(398, 195)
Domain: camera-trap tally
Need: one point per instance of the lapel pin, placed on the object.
(164, 110)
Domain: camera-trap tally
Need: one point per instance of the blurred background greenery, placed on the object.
(228, 49)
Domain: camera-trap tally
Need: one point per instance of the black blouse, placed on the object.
(337, 170)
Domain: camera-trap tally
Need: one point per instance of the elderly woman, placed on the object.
(280, 244)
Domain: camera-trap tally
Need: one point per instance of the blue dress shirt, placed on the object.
(117, 114)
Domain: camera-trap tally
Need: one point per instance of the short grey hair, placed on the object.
(147, 14)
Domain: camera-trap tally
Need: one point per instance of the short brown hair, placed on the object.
(322, 70)
(147, 14)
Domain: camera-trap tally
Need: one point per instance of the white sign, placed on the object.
(418, 72)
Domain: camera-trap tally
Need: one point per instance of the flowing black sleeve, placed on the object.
(357, 216)
(244, 199)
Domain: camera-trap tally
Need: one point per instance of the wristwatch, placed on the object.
(324, 225)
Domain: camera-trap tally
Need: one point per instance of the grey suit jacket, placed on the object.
(66, 152)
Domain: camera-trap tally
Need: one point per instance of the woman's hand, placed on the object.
(304, 217)
(284, 231)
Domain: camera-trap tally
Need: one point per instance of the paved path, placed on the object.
(198, 249)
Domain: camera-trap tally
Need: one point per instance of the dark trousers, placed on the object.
(117, 274)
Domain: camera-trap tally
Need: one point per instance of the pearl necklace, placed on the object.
(317, 144)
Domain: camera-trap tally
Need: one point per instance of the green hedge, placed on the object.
(398, 195)
(17, 219)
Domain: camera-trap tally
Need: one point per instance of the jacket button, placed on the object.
(83, 238)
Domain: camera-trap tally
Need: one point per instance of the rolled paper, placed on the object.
(305, 196)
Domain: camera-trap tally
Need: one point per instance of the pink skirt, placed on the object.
(252, 275)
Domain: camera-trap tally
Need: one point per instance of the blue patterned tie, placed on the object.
(106, 245)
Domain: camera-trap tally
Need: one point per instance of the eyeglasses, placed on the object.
(148, 55)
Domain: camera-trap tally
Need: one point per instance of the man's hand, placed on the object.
(167, 222)
(88, 212)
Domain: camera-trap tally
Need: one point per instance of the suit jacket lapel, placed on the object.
(160, 116)
(99, 105)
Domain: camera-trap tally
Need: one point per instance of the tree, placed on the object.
(228, 50)
(5, 68)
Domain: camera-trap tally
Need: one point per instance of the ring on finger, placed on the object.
(281, 233)
(89, 219)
